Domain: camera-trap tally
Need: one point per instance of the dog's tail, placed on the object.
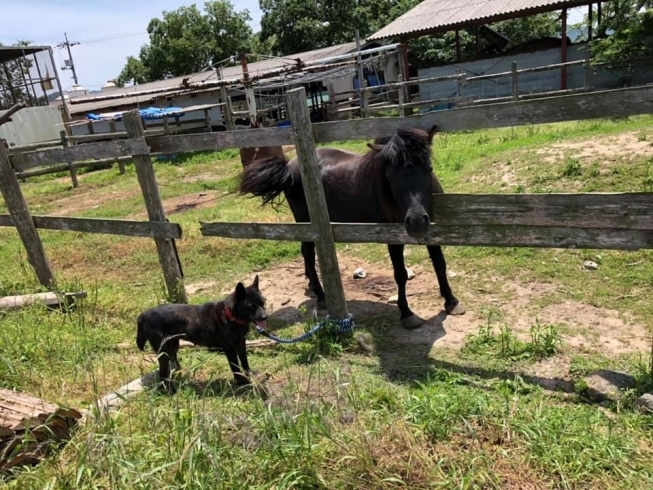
(266, 178)
(141, 332)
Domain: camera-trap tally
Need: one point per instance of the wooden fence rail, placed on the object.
(150, 229)
(592, 105)
(620, 221)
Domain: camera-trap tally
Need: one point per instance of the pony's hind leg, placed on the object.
(408, 318)
(451, 303)
(308, 252)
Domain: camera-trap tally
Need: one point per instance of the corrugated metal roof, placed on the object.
(235, 73)
(432, 15)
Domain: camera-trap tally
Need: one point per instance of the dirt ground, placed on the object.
(585, 326)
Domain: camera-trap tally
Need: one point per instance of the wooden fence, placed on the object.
(610, 221)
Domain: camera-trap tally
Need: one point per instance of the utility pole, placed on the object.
(67, 44)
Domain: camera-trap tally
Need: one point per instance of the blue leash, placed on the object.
(345, 325)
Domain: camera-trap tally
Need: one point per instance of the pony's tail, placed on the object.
(266, 178)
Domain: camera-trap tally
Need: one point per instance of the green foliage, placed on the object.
(186, 41)
(625, 32)
(11, 79)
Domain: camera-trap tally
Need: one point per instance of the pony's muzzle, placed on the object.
(417, 224)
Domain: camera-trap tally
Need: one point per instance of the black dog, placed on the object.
(219, 325)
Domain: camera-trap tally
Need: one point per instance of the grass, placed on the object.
(373, 411)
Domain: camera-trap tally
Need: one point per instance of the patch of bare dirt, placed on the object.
(88, 199)
(582, 326)
(179, 204)
(603, 150)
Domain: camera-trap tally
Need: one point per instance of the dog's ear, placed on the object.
(241, 293)
(255, 283)
(431, 132)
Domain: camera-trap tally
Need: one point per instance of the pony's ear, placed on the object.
(255, 283)
(431, 132)
(241, 293)
(375, 147)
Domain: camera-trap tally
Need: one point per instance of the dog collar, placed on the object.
(230, 316)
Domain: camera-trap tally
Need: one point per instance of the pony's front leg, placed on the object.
(451, 303)
(308, 252)
(408, 318)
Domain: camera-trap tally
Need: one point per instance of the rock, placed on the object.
(608, 385)
(590, 265)
(411, 274)
(394, 299)
(359, 273)
(202, 194)
(451, 274)
(645, 403)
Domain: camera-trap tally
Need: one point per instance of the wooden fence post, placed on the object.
(147, 180)
(316, 201)
(515, 80)
(71, 168)
(23, 221)
(226, 109)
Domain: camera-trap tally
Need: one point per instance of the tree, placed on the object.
(12, 83)
(186, 41)
(625, 33)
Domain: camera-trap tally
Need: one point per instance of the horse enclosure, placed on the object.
(619, 221)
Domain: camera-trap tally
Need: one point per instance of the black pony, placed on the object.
(391, 183)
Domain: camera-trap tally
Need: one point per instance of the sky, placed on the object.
(108, 32)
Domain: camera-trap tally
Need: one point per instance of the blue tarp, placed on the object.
(148, 113)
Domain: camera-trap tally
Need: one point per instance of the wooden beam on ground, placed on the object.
(46, 299)
(28, 424)
(166, 249)
(316, 201)
(115, 400)
(15, 202)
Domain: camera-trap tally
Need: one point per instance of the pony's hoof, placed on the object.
(412, 321)
(457, 309)
(321, 304)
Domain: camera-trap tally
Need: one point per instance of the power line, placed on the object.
(113, 36)
(67, 44)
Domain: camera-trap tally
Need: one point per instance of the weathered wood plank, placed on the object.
(316, 201)
(462, 235)
(168, 257)
(13, 196)
(599, 104)
(150, 229)
(243, 138)
(633, 210)
(104, 149)
(46, 299)
(302, 232)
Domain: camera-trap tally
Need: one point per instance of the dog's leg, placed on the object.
(308, 251)
(174, 350)
(242, 355)
(232, 357)
(164, 372)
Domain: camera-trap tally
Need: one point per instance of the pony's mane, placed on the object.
(406, 147)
